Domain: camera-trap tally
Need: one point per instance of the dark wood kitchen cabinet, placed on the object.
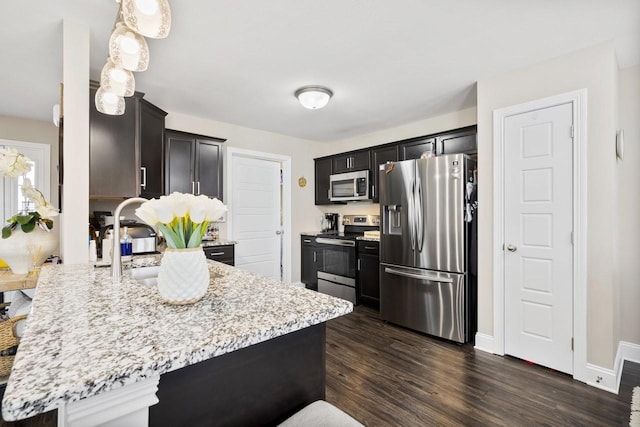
(416, 148)
(125, 152)
(221, 253)
(380, 156)
(151, 150)
(464, 141)
(309, 262)
(348, 162)
(193, 164)
(322, 174)
(368, 283)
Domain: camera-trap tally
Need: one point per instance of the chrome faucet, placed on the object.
(116, 259)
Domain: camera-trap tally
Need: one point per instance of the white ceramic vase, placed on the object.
(184, 275)
(21, 251)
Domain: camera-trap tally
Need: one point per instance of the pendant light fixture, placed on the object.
(109, 102)
(116, 79)
(313, 97)
(128, 49)
(151, 18)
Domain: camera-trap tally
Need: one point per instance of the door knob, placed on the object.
(512, 248)
(279, 232)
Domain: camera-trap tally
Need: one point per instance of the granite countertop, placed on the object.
(86, 335)
(209, 243)
(368, 239)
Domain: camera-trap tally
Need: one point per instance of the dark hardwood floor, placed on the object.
(384, 375)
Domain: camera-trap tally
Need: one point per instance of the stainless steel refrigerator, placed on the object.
(425, 247)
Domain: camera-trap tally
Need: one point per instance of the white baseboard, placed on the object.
(609, 379)
(298, 284)
(602, 378)
(484, 342)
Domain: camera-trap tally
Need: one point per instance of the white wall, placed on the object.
(302, 152)
(593, 68)
(628, 179)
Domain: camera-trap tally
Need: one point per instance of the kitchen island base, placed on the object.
(258, 385)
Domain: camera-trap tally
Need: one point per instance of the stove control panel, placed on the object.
(365, 220)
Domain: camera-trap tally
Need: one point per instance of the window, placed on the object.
(40, 155)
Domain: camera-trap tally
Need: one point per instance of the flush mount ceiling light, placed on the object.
(109, 103)
(151, 18)
(116, 79)
(313, 97)
(128, 49)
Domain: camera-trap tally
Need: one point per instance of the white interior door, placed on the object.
(538, 253)
(256, 219)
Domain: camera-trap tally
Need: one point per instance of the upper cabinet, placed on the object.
(380, 156)
(193, 164)
(416, 148)
(322, 173)
(464, 141)
(125, 152)
(461, 140)
(151, 150)
(347, 162)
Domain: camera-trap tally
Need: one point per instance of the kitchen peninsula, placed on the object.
(251, 351)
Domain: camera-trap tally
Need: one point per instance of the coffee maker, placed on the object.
(330, 222)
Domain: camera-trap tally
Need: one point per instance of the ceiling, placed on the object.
(387, 62)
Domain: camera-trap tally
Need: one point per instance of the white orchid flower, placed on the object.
(46, 210)
(12, 163)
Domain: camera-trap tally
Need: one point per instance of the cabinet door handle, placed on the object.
(216, 253)
(370, 247)
(307, 240)
(315, 256)
(198, 183)
(373, 191)
(358, 264)
(143, 184)
(193, 187)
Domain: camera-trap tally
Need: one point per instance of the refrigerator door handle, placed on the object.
(410, 218)
(419, 207)
(418, 276)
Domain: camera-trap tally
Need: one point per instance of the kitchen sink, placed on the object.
(147, 276)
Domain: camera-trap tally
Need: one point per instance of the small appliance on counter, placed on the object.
(330, 222)
(143, 236)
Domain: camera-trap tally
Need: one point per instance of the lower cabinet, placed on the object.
(221, 253)
(309, 262)
(368, 283)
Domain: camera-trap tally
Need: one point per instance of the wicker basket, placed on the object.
(8, 339)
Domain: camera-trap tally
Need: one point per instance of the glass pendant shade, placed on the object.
(128, 49)
(109, 102)
(313, 97)
(116, 79)
(151, 18)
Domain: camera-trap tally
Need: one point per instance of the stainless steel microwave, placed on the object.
(344, 187)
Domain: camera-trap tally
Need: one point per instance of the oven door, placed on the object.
(337, 257)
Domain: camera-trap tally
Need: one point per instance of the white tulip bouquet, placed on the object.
(182, 219)
(12, 165)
